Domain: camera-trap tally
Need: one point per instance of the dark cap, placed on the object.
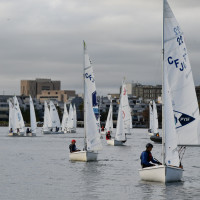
(149, 145)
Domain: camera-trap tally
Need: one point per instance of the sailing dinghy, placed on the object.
(16, 121)
(123, 119)
(109, 121)
(180, 107)
(32, 119)
(92, 142)
(65, 119)
(156, 136)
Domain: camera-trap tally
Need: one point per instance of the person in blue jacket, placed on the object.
(147, 158)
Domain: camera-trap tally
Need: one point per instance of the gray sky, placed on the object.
(43, 39)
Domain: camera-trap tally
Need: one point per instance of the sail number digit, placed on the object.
(180, 40)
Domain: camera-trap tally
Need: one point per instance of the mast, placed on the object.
(163, 123)
(84, 109)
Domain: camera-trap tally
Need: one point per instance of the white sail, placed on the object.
(70, 123)
(123, 116)
(47, 118)
(150, 117)
(65, 118)
(180, 79)
(54, 116)
(125, 108)
(109, 121)
(171, 152)
(32, 117)
(75, 117)
(11, 114)
(18, 118)
(155, 119)
(91, 108)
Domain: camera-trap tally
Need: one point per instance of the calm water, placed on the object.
(39, 168)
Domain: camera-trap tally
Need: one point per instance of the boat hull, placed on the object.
(84, 156)
(52, 132)
(21, 134)
(114, 142)
(161, 173)
(156, 139)
(71, 131)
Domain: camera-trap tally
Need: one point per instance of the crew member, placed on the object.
(72, 147)
(147, 158)
(108, 136)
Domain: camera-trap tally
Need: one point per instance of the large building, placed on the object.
(35, 87)
(146, 92)
(58, 95)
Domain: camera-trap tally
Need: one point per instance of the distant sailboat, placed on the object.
(92, 142)
(156, 136)
(51, 120)
(65, 119)
(123, 120)
(109, 121)
(17, 121)
(180, 107)
(71, 120)
(32, 119)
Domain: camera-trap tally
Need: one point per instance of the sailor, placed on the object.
(11, 130)
(147, 158)
(102, 128)
(72, 147)
(108, 136)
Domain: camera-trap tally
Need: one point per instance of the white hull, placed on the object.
(103, 132)
(30, 134)
(114, 142)
(84, 156)
(52, 132)
(71, 131)
(21, 134)
(161, 173)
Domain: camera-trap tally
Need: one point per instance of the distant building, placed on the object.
(35, 87)
(58, 95)
(146, 92)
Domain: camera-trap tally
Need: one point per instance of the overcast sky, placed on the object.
(43, 39)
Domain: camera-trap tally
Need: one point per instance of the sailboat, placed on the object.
(123, 119)
(16, 121)
(65, 119)
(92, 142)
(109, 120)
(32, 119)
(51, 120)
(150, 130)
(180, 107)
(75, 117)
(71, 120)
(156, 136)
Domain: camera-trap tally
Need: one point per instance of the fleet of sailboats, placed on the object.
(51, 123)
(180, 114)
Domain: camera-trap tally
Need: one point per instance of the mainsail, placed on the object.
(65, 118)
(47, 118)
(70, 123)
(155, 119)
(90, 102)
(32, 117)
(54, 116)
(109, 121)
(18, 118)
(180, 79)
